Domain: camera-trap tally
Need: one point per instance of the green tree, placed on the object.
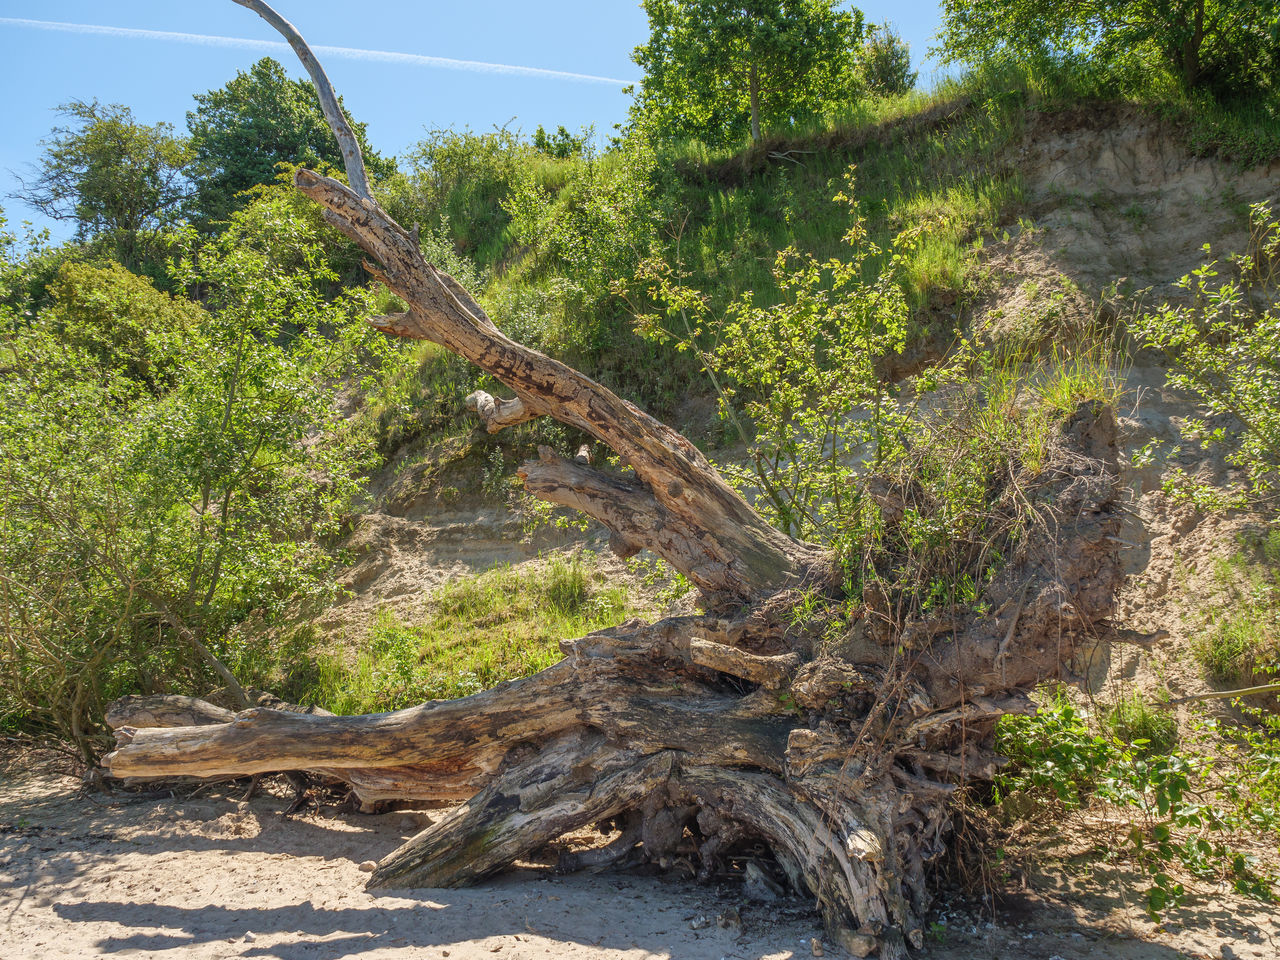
(717, 69)
(113, 177)
(884, 62)
(1228, 47)
(562, 144)
(259, 119)
(168, 469)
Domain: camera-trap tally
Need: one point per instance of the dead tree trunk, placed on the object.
(698, 733)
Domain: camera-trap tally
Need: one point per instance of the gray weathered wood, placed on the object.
(352, 157)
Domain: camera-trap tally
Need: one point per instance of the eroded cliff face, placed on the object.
(1117, 209)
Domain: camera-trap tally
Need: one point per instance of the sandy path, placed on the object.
(89, 876)
(96, 876)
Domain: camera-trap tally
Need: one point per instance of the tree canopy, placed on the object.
(1227, 47)
(715, 70)
(884, 62)
(112, 176)
(259, 119)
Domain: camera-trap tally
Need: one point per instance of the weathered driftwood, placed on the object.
(703, 732)
(694, 734)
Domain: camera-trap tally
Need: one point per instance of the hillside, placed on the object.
(353, 541)
(1097, 223)
(1104, 202)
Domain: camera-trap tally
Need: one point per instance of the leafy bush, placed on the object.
(798, 369)
(121, 322)
(1224, 345)
(562, 144)
(1182, 817)
(1053, 752)
(168, 470)
(457, 183)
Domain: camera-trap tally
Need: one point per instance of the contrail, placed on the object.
(347, 53)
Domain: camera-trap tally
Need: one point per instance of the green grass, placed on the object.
(1240, 646)
(950, 176)
(1147, 729)
(478, 632)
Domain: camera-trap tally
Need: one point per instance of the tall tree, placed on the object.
(112, 176)
(716, 69)
(1228, 47)
(259, 119)
(884, 62)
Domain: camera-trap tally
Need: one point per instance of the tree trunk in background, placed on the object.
(755, 103)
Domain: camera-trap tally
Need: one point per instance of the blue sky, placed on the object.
(398, 98)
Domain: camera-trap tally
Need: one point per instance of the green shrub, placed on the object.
(457, 182)
(1053, 752)
(884, 61)
(1181, 815)
(167, 471)
(1224, 346)
(1148, 730)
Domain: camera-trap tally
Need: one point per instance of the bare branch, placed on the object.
(769, 672)
(352, 158)
(498, 414)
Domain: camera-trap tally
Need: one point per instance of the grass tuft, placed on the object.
(478, 632)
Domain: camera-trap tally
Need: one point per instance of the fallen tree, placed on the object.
(839, 742)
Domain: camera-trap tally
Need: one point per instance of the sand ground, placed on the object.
(85, 874)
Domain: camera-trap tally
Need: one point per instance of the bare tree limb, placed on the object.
(352, 157)
(499, 414)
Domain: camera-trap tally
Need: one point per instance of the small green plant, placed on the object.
(653, 571)
(1137, 215)
(1178, 820)
(1053, 753)
(1148, 730)
(1240, 645)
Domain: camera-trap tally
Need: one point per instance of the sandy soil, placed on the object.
(208, 876)
(88, 875)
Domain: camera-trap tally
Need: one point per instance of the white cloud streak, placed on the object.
(346, 53)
